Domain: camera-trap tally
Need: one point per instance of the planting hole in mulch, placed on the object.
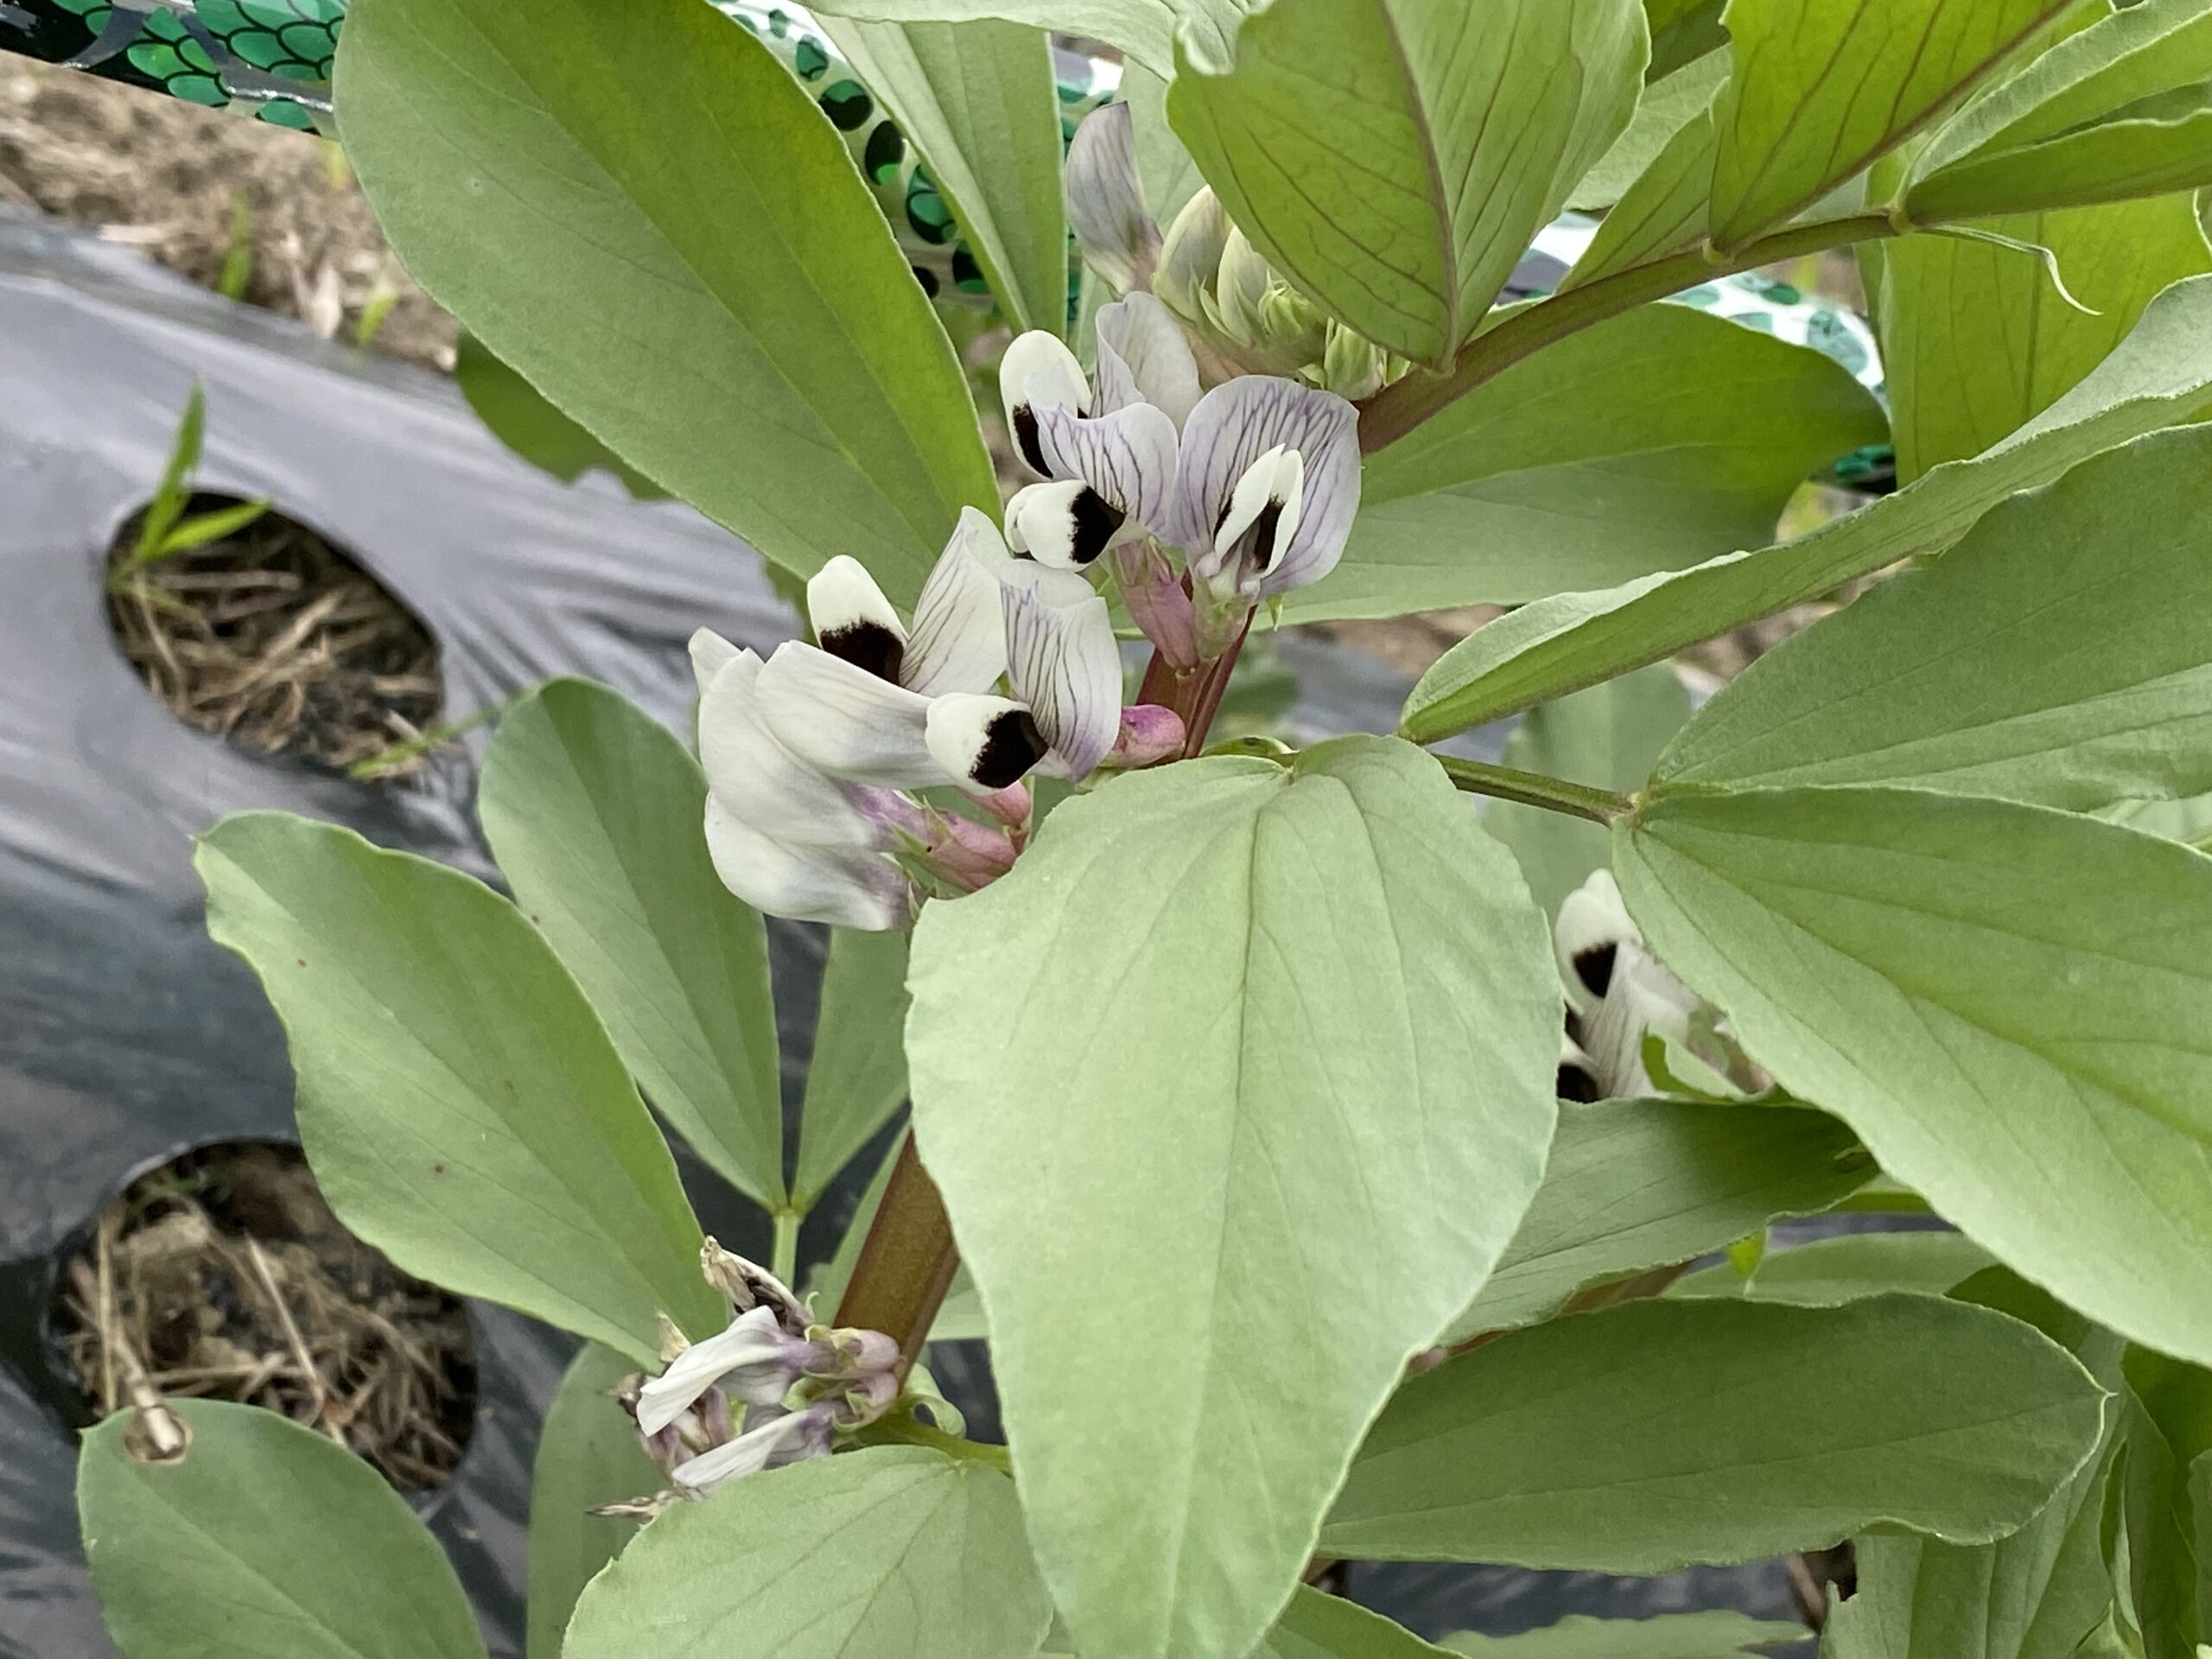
(277, 641)
(223, 1275)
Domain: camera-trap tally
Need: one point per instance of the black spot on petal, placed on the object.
(1261, 537)
(1027, 439)
(869, 645)
(1576, 1083)
(1095, 520)
(1012, 744)
(1575, 1028)
(1594, 967)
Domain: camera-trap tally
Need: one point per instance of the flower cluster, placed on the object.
(797, 1383)
(1200, 496)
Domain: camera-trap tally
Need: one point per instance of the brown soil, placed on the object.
(223, 1275)
(167, 176)
(278, 641)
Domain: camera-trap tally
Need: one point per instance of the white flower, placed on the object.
(776, 1440)
(1106, 205)
(1616, 991)
(756, 1357)
(1267, 486)
(1107, 456)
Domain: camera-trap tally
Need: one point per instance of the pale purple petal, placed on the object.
(779, 1440)
(1232, 427)
(1128, 457)
(808, 884)
(1143, 357)
(751, 1339)
(1106, 208)
(1064, 662)
(758, 779)
(958, 639)
(846, 721)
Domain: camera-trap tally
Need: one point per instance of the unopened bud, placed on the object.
(1150, 734)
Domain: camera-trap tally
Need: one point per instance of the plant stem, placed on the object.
(906, 1263)
(784, 1261)
(906, 1430)
(1535, 789)
(1399, 408)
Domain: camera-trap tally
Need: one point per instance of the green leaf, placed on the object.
(1668, 104)
(1238, 1048)
(1318, 1626)
(1671, 1636)
(593, 809)
(2006, 1001)
(1649, 441)
(2160, 374)
(858, 1075)
(206, 527)
(264, 1541)
(1361, 144)
(1165, 170)
(893, 1551)
(1975, 340)
(1824, 1271)
(460, 1101)
(1655, 1434)
(171, 494)
(1637, 1184)
(1663, 212)
(2034, 1595)
(1821, 88)
(2115, 111)
(1143, 29)
(761, 349)
(587, 1455)
(978, 101)
(2057, 654)
(2166, 1420)
(517, 413)
(1608, 735)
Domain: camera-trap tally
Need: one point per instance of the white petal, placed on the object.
(853, 619)
(808, 884)
(1064, 662)
(1065, 525)
(1106, 208)
(985, 743)
(747, 1454)
(758, 779)
(1592, 921)
(1128, 457)
(845, 721)
(1037, 373)
(1144, 358)
(1232, 427)
(751, 1337)
(958, 642)
(1190, 258)
(709, 652)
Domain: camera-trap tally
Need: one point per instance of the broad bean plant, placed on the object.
(1336, 1171)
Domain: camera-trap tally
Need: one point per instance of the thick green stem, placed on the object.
(1399, 408)
(907, 1262)
(1535, 789)
(784, 1261)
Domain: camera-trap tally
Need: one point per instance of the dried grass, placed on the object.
(225, 1275)
(277, 641)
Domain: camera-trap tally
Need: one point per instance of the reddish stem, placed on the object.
(906, 1263)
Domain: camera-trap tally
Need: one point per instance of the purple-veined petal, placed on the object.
(958, 639)
(1062, 661)
(1037, 373)
(1144, 358)
(752, 1341)
(1235, 424)
(808, 884)
(1106, 208)
(1128, 457)
(844, 721)
(758, 779)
